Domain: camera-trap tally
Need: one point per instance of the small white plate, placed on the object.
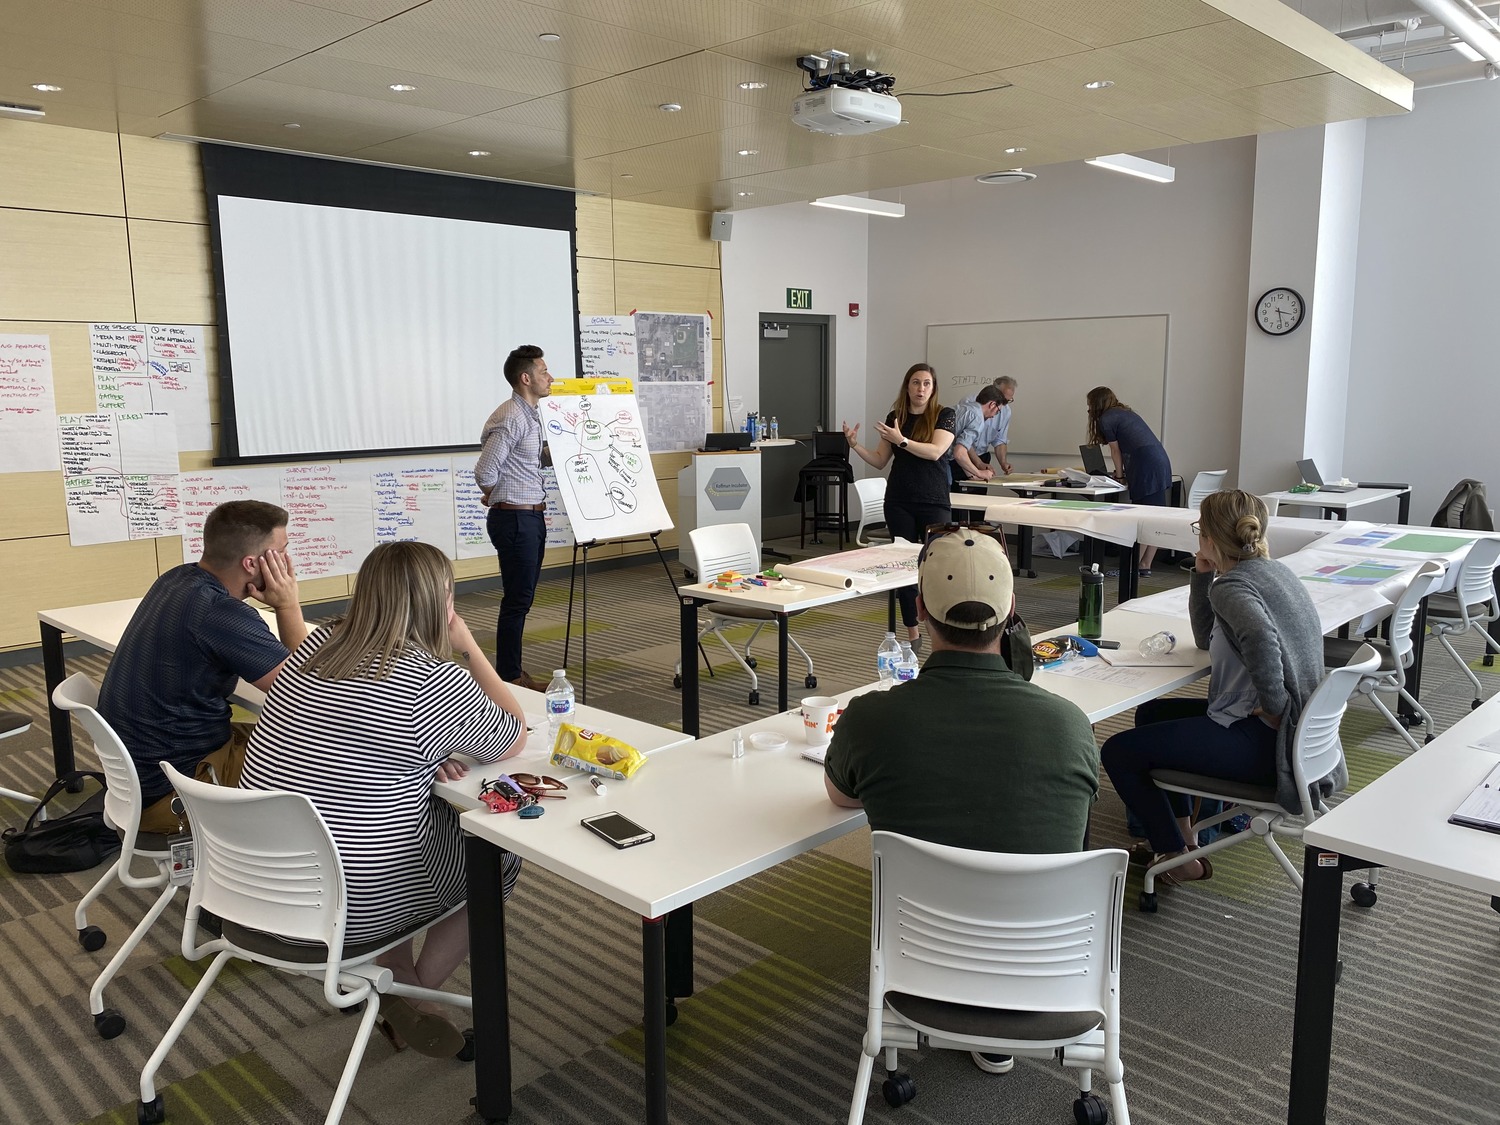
(767, 740)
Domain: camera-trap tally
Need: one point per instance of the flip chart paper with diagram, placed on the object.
(152, 367)
(119, 476)
(28, 418)
(604, 472)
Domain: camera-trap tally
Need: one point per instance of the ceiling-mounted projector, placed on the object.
(845, 112)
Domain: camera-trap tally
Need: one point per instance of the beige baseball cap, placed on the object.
(966, 566)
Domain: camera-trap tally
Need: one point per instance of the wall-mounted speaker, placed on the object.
(720, 226)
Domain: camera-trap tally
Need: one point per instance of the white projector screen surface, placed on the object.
(356, 330)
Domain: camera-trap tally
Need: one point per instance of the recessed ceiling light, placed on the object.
(291, 125)
(743, 194)
(752, 85)
(626, 176)
(1098, 84)
(479, 152)
(549, 37)
(1011, 176)
(669, 107)
(1018, 148)
(46, 88)
(402, 87)
(749, 152)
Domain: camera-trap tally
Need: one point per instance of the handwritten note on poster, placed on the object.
(202, 492)
(330, 530)
(608, 346)
(604, 471)
(28, 416)
(119, 476)
(414, 501)
(151, 367)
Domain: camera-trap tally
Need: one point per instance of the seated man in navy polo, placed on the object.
(969, 754)
(192, 639)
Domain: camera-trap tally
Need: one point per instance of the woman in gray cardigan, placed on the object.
(1265, 646)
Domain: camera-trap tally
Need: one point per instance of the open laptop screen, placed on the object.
(1093, 460)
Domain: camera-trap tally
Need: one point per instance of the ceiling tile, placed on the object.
(1100, 23)
(322, 71)
(1134, 83)
(1204, 118)
(287, 22)
(959, 32)
(1312, 101)
(1220, 56)
(781, 48)
(685, 21)
(277, 103)
(719, 76)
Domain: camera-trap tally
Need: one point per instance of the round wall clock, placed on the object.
(1279, 311)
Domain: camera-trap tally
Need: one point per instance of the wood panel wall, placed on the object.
(104, 227)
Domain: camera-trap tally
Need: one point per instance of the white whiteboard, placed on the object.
(1056, 363)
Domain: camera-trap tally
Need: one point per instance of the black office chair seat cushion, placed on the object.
(747, 612)
(1446, 607)
(1236, 791)
(13, 722)
(821, 470)
(150, 841)
(991, 1023)
(310, 953)
(1338, 651)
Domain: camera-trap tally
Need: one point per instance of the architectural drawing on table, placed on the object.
(603, 473)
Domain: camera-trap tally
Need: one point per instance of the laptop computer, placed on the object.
(727, 442)
(1310, 475)
(1093, 460)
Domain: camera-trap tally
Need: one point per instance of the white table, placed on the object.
(1399, 820)
(1028, 486)
(1335, 504)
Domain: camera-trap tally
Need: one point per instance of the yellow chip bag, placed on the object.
(587, 750)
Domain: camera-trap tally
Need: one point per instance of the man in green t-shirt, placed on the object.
(968, 754)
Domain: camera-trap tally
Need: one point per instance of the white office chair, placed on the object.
(1472, 605)
(1315, 754)
(266, 864)
(869, 494)
(999, 953)
(13, 723)
(1272, 503)
(1210, 480)
(732, 546)
(1396, 654)
(122, 811)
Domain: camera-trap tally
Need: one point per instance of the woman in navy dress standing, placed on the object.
(1138, 454)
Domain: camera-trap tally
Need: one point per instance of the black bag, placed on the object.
(1015, 647)
(75, 842)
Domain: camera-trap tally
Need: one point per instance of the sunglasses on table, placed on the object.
(939, 530)
(540, 785)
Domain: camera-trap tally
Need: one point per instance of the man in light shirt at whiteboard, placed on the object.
(994, 437)
(509, 475)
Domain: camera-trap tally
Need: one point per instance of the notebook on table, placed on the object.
(1310, 475)
(1481, 809)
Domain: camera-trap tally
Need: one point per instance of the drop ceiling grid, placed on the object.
(687, 21)
(288, 23)
(958, 32)
(322, 71)
(1100, 23)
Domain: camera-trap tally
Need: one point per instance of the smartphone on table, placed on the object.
(619, 830)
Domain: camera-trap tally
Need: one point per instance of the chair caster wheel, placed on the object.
(750, 660)
(677, 681)
(754, 698)
(671, 1013)
(1363, 895)
(1429, 738)
(898, 1089)
(1338, 970)
(353, 1009)
(1474, 706)
(811, 681)
(151, 1113)
(109, 1023)
(1148, 902)
(466, 1052)
(91, 938)
(1090, 1109)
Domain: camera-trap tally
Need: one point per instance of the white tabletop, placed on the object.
(1126, 688)
(780, 599)
(774, 443)
(1113, 522)
(1401, 818)
(1345, 500)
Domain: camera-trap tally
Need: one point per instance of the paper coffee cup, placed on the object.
(819, 713)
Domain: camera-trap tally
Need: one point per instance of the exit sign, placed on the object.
(799, 298)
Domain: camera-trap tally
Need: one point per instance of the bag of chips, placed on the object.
(587, 750)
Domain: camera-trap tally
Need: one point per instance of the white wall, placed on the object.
(1423, 391)
(1082, 242)
(796, 246)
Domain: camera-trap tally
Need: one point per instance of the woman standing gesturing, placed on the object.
(918, 433)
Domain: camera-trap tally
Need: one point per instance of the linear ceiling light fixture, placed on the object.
(1136, 166)
(862, 205)
(22, 110)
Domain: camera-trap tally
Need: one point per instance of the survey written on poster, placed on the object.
(119, 476)
(152, 367)
(28, 415)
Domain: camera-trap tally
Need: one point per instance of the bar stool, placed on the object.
(816, 482)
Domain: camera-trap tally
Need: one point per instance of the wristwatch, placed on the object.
(903, 444)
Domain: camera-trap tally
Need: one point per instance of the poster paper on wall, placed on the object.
(154, 367)
(28, 414)
(120, 476)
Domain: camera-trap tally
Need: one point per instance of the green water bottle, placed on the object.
(1091, 603)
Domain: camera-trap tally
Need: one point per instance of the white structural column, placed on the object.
(1304, 236)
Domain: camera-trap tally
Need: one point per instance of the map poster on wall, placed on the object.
(28, 416)
(152, 367)
(119, 476)
(604, 471)
(674, 354)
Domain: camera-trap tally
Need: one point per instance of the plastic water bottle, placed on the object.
(775, 428)
(559, 702)
(906, 667)
(1158, 644)
(886, 657)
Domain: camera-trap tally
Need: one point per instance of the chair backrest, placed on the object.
(1036, 933)
(724, 546)
(1317, 749)
(1430, 574)
(870, 492)
(1272, 503)
(1210, 480)
(831, 443)
(1476, 577)
(265, 859)
(122, 797)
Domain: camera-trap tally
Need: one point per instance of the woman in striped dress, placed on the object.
(363, 718)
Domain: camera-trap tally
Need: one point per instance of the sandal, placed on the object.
(1141, 854)
(1177, 876)
(425, 1033)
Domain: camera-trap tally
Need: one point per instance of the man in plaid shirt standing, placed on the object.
(509, 474)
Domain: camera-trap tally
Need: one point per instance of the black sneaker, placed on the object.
(993, 1064)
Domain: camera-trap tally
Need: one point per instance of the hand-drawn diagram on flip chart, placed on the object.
(604, 472)
(119, 476)
(201, 492)
(28, 416)
(152, 367)
(674, 354)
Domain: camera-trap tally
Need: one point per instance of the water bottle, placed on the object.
(1159, 644)
(559, 702)
(906, 667)
(1091, 603)
(775, 428)
(885, 658)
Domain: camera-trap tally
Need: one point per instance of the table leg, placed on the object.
(1129, 572)
(689, 627)
(1494, 632)
(680, 953)
(890, 611)
(1403, 506)
(781, 647)
(1023, 534)
(654, 984)
(1317, 962)
(1414, 672)
(487, 974)
(55, 668)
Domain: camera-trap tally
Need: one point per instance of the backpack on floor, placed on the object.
(76, 841)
